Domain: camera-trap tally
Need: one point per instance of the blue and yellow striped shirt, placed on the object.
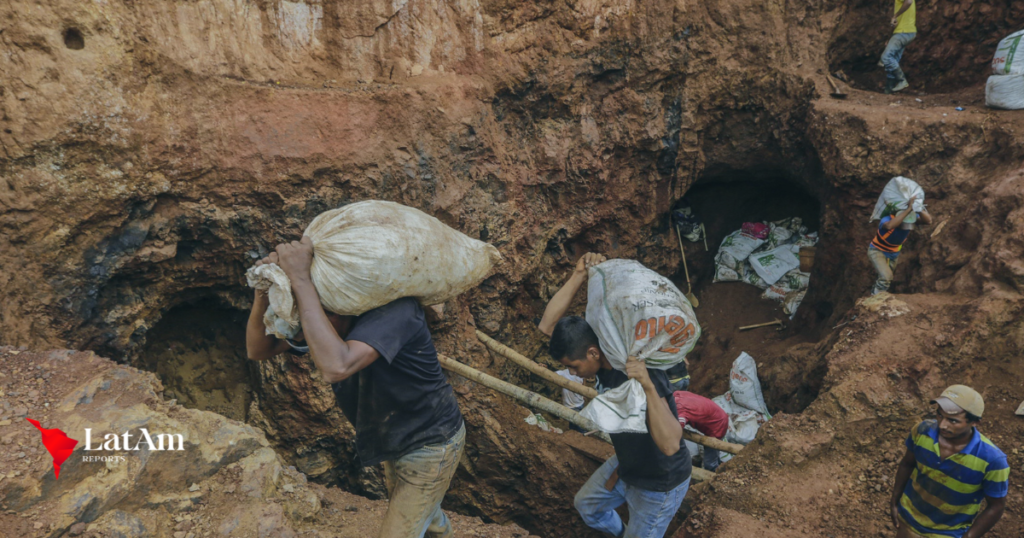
(943, 496)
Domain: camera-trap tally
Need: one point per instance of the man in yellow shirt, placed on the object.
(905, 21)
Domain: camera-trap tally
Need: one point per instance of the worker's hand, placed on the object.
(588, 260)
(638, 370)
(894, 514)
(895, 21)
(272, 258)
(296, 258)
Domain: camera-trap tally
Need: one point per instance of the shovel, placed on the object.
(836, 94)
(689, 287)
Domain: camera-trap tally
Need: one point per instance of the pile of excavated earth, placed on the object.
(150, 152)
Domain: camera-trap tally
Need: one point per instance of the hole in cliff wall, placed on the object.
(790, 367)
(953, 49)
(73, 39)
(198, 351)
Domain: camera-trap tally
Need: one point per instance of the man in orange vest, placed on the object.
(885, 247)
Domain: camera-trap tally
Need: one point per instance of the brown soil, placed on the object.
(148, 155)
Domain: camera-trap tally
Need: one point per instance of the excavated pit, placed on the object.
(791, 370)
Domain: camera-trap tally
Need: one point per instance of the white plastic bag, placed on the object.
(744, 385)
(898, 191)
(792, 301)
(619, 410)
(772, 264)
(1006, 91)
(370, 253)
(636, 312)
(794, 280)
(735, 249)
(1009, 57)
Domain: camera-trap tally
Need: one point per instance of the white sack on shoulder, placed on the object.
(619, 410)
(370, 253)
(898, 191)
(636, 312)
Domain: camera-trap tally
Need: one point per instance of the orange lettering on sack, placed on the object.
(640, 332)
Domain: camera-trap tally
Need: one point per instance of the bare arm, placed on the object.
(560, 303)
(926, 217)
(259, 345)
(987, 518)
(898, 219)
(664, 428)
(903, 473)
(335, 358)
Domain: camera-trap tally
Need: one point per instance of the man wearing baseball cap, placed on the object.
(885, 247)
(948, 469)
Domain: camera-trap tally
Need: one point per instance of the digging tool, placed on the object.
(689, 287)
(836, 94)
(704, 235)
(939, 228)
(769, 324)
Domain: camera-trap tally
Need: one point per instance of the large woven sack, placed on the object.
(1009, 57)
(1006, 91)
(896, 194)
(370, 253)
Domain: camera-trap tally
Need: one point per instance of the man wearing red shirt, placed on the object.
(704, 416)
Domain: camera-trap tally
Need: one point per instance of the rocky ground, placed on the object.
(150, 151)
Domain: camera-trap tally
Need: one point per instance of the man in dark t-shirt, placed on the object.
(383, 369)
(650, 471)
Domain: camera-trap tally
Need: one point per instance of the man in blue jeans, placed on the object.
(383, 369)
(650, 472)
(905, 21)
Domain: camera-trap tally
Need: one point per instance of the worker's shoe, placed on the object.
(900, 86)
(889, 84)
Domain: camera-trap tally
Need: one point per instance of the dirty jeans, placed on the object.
(416, 485)
(885, 267)
(894, 53)
(712, 459)
(649, 511)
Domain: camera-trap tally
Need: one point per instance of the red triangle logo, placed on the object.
(57, 443)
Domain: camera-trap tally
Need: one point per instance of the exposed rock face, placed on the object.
(223, 478)
(151, 151)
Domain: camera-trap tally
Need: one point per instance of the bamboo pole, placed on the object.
(539, 402)
(514, 356)
(529, 398)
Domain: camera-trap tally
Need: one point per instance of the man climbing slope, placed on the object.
(885, 248)
(905, 21)
(948, 469)
(649, 471)
(386, 378)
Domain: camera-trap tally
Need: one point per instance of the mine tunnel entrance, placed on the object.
(198, 351)
(789, 366)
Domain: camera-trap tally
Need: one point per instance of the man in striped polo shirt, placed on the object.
(948, 469)
(888, 241)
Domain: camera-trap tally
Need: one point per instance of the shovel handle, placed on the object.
(835, 88)
(770, 323)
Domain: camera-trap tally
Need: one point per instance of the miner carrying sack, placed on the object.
(349, 295)
(899, 208)
(631, 312)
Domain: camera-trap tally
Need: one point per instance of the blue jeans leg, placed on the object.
(650, 512)
(416, 485)
(894, 53)
(597, 505)
(712, 459)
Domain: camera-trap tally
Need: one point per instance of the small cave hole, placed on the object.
(198, 352)
(790, 368)
(73, 39)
